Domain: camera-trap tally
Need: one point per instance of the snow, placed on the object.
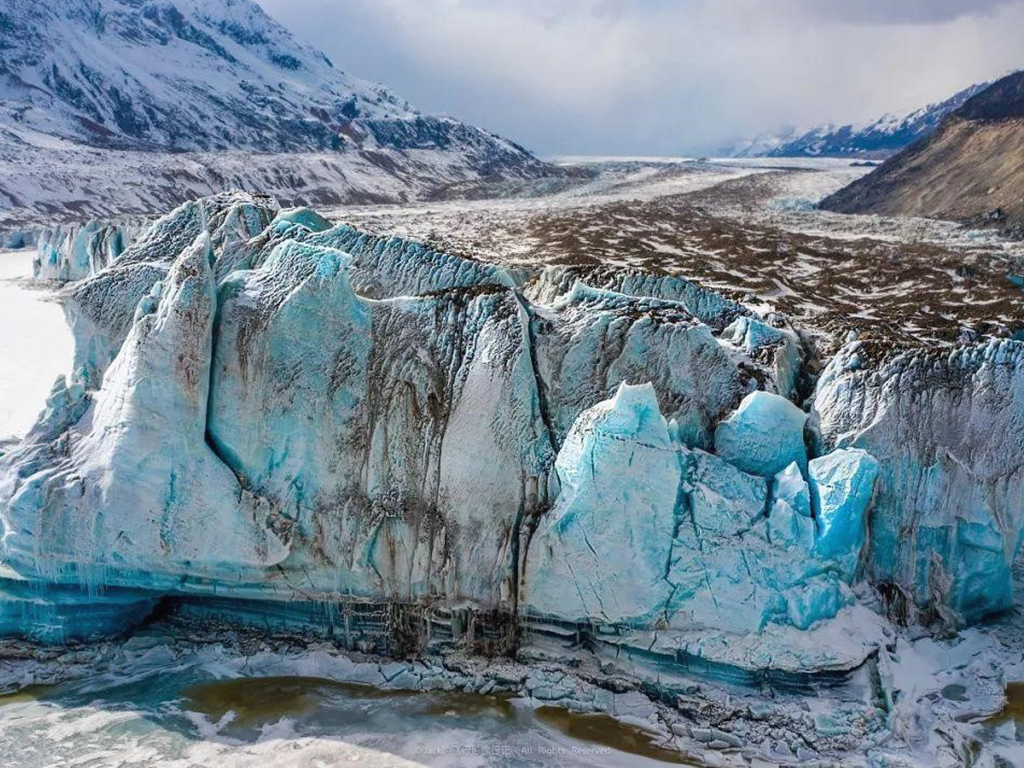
(35, 345)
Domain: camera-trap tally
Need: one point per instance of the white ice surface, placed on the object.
(35, 345)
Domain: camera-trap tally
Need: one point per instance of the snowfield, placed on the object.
(35, 347)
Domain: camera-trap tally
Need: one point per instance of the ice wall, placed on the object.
(319, 442)
(268, 407)
(72, 252)
(947, 428)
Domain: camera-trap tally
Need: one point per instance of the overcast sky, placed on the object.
(662, 76)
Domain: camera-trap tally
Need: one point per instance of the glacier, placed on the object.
(279, 421)
(72, 252)
(947, 429)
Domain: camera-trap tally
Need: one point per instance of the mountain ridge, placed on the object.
(139, 79)
(971, 169)
(877, 139)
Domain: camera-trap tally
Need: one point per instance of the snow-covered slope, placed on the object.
(879, 138)
(104, 95)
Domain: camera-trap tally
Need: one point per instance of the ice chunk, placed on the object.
(790, 486)
(723, 500)
(305, 217)
(597, 339)
(649, 532)
(842, 483)
(602, 550)
(752, 335)
(763, 436)
(789, 528)
(790, 522)
(820, 598)
(72, 252)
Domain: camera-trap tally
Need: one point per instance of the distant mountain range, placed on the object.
(878, 139)
(127, 105)
(970, 169)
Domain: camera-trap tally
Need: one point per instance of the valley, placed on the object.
(334, 431)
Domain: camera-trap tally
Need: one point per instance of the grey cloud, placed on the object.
(661, 76)
(898, 11)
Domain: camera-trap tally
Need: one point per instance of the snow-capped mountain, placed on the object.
(876, 139)
(968, 170)
(145, 78)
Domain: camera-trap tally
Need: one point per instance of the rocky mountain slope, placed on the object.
(877, 139)
(143, 103)
(971, 169)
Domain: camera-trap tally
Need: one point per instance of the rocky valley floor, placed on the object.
(747, 229)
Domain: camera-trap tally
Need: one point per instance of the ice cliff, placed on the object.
(270, 410)
(947, 427)
(651, 533)
(72, 252)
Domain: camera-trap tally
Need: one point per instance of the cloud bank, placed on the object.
(662, 76)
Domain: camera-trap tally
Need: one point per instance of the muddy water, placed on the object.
(259, 701)
(27, 693)
(608, 732)
(192, 715)
(1013, 710)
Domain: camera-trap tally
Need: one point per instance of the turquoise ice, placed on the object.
(764, 435)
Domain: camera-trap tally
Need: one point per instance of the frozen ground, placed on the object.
(35, 345)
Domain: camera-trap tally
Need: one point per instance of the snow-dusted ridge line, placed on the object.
(879, 138)
(114, 107)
